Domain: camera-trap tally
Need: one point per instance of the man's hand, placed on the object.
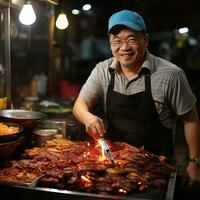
(194, 172)
(94, 126)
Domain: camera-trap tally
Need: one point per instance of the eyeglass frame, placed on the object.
(127, 41)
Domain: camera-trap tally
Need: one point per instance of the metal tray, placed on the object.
(32, 193)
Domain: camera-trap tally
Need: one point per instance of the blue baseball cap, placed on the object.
(127, 18)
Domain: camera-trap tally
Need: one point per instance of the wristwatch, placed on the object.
(195, 160)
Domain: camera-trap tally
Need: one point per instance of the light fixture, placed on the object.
(183, 30)
(62, 21)
(86, 7)
(27, 15)
(75, 12)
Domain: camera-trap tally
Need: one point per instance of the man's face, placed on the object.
(128, 47)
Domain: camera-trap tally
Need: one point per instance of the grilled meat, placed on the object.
(77, 166)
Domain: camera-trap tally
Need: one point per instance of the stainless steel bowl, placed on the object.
(42, 135)
(27, 118)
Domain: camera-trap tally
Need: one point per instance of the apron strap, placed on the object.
(110, 88)
(111, 84)
(148, 84)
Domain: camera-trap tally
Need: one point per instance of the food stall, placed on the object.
(72, 168)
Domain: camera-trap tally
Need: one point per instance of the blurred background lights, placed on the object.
(183, 30)
(27, 15)
(62, 21)
(86, 7)
(75, 12)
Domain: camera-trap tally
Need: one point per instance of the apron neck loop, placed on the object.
(148, 83)
(112, 73)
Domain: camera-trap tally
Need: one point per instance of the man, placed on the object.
(142, 94)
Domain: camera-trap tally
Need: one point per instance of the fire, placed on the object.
(86, 154)
(121, 190)
(103, 156)
(88, 144)
(86, 180)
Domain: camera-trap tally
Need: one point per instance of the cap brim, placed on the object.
(132, 26)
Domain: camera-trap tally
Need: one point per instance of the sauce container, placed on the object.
(57, 124)
(42, 135)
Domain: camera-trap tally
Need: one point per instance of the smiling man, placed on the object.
(141, 95)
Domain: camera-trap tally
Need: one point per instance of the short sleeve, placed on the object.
(91, 91)
(180, 95)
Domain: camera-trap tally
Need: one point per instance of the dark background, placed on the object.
(77, 49)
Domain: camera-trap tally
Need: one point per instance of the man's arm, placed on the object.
(94, 125)
(192, 136)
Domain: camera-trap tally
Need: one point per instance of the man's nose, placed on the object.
(125, 45)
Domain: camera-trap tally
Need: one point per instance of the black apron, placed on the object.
(134, 119)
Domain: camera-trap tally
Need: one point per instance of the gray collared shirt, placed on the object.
(170, 89)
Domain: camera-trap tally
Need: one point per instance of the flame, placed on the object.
(121, 190)
(84, 178)
(88, 144)
(86, 154)
(139, 183)
(87, 181)
(103, 156)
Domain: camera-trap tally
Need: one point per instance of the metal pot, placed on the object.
(27, 118)
(42, 135)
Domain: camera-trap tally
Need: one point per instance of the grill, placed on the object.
(60, 160)
(38, 193)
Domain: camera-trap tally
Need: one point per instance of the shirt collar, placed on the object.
(148, 63)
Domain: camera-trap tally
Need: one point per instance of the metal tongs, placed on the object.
(107, 150)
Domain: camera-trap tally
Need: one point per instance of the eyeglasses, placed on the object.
(119, 43)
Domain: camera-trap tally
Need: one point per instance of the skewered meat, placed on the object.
(77, 166)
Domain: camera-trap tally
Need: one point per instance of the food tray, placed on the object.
(25, 192)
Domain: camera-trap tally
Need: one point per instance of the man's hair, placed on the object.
(116, 29)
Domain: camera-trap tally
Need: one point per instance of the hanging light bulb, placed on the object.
(27, 15)
(62, 21)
